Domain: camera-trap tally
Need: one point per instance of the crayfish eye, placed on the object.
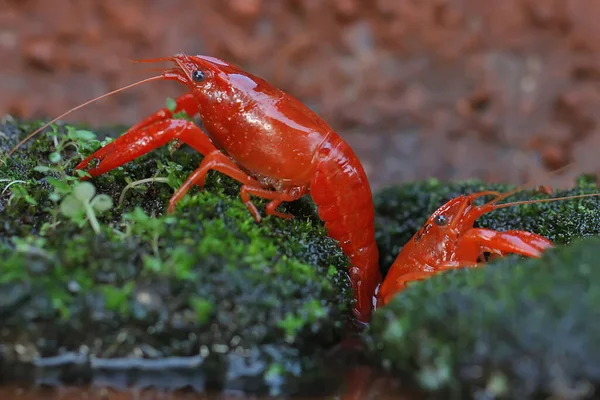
(441, 220)
(198, 76)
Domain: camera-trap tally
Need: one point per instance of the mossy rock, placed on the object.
(516, 328)
(205, 294)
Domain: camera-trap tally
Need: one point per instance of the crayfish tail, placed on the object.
(341, 191)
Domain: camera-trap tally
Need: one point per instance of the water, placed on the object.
(362, 383)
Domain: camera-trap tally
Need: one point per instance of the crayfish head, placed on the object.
(195, 71)
(459, 214)
(205, 72)
(447, 222)
(218, 84)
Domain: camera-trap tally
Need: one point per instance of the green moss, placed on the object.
(518, 328)
(117, 299)
(206, 280)
(402, 210)
(204, 308)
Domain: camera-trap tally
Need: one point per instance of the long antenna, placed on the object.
(154, 78)
(525, 185)
(516, 203)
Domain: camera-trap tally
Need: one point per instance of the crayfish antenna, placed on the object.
(152, 60)
(492, 204)
(533, 201)
(516, 203)
(154, 78)
(524, 186)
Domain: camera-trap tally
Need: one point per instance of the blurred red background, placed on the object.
(498, 90)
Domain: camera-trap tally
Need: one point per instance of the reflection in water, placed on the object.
(362, 383)
(97, 393)
(348, 368)
(365, 383)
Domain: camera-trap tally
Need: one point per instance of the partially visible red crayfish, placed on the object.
(270, 142)
(448, 240)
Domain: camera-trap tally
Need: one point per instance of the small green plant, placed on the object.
(138, 183)
(18, 192)
(76, 138)
(292, 324)
(79, 139)
(174, 172)
(203, 308)
(116, 299)
(149, 228)
(145, 226)
(83, 203)
(68, 190)
(171, 105)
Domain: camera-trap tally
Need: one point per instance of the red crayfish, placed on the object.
(448, 240)
(274, 145)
